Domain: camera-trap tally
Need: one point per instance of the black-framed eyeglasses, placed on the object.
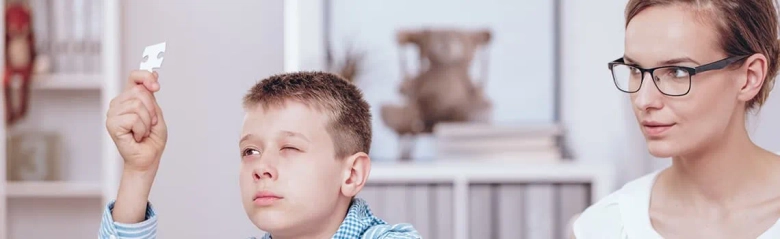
(670, 80)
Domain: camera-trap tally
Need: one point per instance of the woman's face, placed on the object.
(678, 125)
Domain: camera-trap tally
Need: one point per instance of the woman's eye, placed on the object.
(680, 73)
(248, 152)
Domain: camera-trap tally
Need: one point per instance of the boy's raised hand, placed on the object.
(135, 123)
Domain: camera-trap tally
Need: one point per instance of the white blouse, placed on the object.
(625, 214)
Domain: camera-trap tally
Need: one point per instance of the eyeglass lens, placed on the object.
(669, 80)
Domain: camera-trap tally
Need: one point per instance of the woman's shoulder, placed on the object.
(605, 219)
(600, 220)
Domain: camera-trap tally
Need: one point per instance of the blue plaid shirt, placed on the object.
(359, 223)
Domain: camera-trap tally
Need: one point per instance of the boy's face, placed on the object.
(290, 177)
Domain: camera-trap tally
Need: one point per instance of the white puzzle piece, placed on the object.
(152, 57)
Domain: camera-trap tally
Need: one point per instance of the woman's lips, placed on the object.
(653, 129)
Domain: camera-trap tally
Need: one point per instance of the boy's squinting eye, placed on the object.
(247, 152)
(290, 148)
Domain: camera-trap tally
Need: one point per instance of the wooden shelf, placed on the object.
(53, 189)
(67, 82)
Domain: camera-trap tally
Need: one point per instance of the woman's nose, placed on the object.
(648, 97)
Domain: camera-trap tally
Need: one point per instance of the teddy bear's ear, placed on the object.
(482, 37)
(408, 36)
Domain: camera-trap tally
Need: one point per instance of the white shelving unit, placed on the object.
(464, 179)
(462, 174)
(68, 82)
(73, 106)
(53, 190)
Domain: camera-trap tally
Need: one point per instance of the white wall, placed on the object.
(601, 126)
(215, 52)
(520, 56)
(763, 126)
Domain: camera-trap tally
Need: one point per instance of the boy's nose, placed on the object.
(264, 171)
(260, 175)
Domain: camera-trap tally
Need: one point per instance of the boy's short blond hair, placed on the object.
(349, 113)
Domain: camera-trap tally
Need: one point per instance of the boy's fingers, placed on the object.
(157, 111)
(145, 78)
(137, 92)
(146, 97)
(131, 124)
(139, 130)
(136, 107)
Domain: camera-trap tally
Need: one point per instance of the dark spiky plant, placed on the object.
(350, 67)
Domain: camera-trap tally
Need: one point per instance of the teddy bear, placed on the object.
(19, 60)
(443, 89)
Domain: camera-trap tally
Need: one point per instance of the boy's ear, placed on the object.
(356, 170)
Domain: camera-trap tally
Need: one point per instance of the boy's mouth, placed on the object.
(265, 198)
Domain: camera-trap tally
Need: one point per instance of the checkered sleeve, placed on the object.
(395, 231)
(109, 229)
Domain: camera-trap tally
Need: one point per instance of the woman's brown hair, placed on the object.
(745, 27)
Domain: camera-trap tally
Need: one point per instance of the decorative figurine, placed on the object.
(19, 60)
(443, 90)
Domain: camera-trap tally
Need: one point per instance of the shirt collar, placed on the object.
(359, 219)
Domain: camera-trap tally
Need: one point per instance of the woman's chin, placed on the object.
(662, 148)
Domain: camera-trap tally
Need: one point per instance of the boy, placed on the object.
(303, 150)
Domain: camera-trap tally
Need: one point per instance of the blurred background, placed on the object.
(492, 119)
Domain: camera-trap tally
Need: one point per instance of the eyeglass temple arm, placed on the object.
(719, 64)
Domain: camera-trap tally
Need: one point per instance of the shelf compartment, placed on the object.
(67, 82)
(54, 189)
(53, 217)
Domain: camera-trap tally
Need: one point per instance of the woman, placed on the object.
(693, 70)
